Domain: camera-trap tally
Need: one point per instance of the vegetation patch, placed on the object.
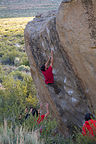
(12, 41)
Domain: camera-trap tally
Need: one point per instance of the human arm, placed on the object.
(51, 58)
(40, 108)
(46, 64)
(47, 110)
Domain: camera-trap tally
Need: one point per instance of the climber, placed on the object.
(36, 113)
(47, 71)
(89, 127)
(41, 117)
(48, 75)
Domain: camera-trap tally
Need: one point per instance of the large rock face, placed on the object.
(71, 32)
(76, 26)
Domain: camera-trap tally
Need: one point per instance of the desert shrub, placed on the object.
(25, 136)
(23, 68)
(12, 33)
(26, 80)
(1, 53)
(16, 61)
(18, 75)
(51, 134)
(24, 61)
(9, 57)
(22, 41)
(80, 139)
(13, 98)
(18, 136)
(47, 129)
(2, 73)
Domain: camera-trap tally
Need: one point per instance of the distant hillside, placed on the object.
(26, 8)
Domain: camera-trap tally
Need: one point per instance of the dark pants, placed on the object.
(55, 86)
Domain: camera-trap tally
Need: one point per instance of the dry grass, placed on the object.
(19, 136)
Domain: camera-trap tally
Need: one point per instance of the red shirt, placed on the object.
(48, 75)
(89, 128)
(40, 119)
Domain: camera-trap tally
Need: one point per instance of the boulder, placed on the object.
(70, 32)
(76, 27)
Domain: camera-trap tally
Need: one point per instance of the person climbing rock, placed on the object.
(46, 70)
(89, 127)
(37, 113)
(40, 117)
